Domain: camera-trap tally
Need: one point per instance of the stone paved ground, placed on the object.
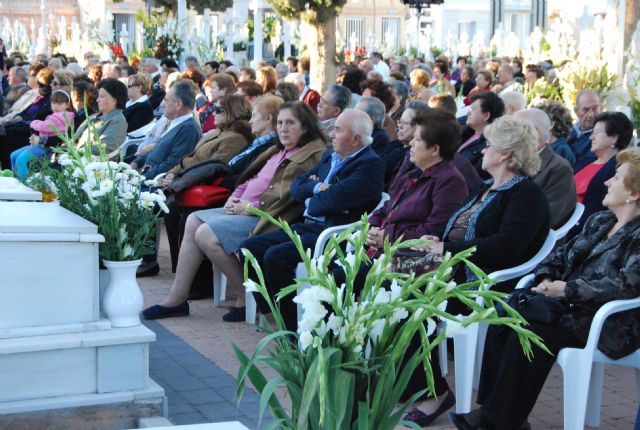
(193, 360)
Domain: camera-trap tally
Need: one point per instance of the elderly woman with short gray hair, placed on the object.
(506, 220)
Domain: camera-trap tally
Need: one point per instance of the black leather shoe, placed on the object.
(235, 314)
(157, 312)
(415, 415)
(147, 269)
(460, 422)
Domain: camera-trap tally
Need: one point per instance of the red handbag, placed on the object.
(203, 196)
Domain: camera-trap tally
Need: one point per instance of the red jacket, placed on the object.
(312, 99)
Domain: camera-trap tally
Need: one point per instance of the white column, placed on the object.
(139, 36)
(258, 6)
(182, 25)
(228, 20)
(286, 38)
(206, 24)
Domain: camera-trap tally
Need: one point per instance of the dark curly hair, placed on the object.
(489, 102)
(381, 91)
(560, 118)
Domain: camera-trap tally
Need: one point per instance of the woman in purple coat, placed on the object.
(428, 195)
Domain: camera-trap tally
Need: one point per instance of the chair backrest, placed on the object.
(327, 233)
(527, 267)
(573, 220)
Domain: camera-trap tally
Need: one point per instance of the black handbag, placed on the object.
(536, 307)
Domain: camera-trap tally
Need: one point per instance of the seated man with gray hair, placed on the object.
(391, 152)
(334, 101)
(514, 101)
(345, 184)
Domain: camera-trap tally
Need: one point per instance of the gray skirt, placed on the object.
(231, 230)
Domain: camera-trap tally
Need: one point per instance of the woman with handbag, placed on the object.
(232, 135)
(506, 220)
(217, 233)
(599, 265)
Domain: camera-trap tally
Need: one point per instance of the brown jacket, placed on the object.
(277, 200)
(556, 180)
(223, 146)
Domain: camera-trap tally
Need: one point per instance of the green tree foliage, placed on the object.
(198, 5)
(314, 12)
(321, 14)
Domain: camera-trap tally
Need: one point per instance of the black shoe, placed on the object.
(235, 314)
(418, 417)
(157, 312)
(147, 269)
(460, 422)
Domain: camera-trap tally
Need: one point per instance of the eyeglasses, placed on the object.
(55, 83)
(133, 85)
(33, 75)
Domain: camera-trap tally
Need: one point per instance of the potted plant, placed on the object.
(346, 367)
(112, 196)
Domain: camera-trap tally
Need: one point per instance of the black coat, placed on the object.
(473, 152)
(607, 269)
(510, 230)
(138, 115)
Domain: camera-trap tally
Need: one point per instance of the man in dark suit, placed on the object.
(556, 175)
(344, 185)
(178, 139)
(587, 109)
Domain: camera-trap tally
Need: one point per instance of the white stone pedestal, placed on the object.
(56, 351)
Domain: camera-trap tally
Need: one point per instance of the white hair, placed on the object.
(75, 68)
(361, 125)
(514, 101)
(540, 121)
(295, 79)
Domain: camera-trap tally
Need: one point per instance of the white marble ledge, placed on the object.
(153, 391)
(8, 333)
(114, 336)
(12, 189)
(37, 217)
(230, 425)
(51, 237)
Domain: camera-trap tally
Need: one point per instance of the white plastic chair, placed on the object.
(583, 368)
(219, 295)
(562, 231)
(136, 137)
(469, 345)
(323, 239)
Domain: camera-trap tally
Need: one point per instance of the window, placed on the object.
(467, 27)
(391, 32)
(520, 24)
(355, 26)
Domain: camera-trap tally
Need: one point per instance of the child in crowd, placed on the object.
(44, 136)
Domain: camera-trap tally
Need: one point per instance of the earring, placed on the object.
(628, 200)
(501, 160)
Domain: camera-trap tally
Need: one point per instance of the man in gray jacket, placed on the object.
(180, 136)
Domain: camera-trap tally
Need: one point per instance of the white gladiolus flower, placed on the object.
(106, 186)
(383, 296)
(376, 329)
(349, 260)
(357, 349)
(306, 338)
(127, 251)
(127, 195)
(443, 306)
(451, 285)
(321, 330)
(398, 315)
(97, 193)
(453, 327)
(334, 324)
(396, 290)
(64, 160)
(306, 324)
(250, 286)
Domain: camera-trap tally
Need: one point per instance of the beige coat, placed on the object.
(277, 200)
(222, 146)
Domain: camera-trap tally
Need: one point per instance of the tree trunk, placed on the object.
(322, 51)
(631, 17)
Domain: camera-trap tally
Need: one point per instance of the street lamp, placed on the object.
(420, 4)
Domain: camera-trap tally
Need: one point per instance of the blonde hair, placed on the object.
(269, 105)
(518, 138)
(422, 77)
(632, 179)
(143, 80)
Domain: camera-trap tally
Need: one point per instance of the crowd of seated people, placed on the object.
(465, 159)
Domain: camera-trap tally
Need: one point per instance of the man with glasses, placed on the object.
(334, 101)
(587, 109)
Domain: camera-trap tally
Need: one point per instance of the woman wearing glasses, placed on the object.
(138, 110)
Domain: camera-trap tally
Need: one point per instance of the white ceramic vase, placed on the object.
(122, 301)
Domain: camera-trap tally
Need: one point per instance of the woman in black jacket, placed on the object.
(138, 111)
(599, 265)
(507, 220)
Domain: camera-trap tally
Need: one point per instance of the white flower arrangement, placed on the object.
(110, 194)
(346, 364)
